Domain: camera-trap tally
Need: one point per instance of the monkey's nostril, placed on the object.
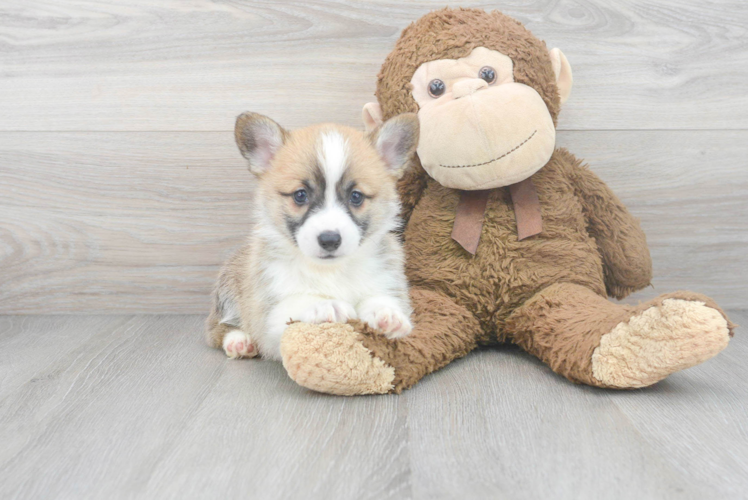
(329, 240)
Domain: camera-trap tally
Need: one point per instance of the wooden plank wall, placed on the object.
(121, 189)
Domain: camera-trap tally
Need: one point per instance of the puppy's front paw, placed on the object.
(329, 311)
(387, 317)
(237, 344)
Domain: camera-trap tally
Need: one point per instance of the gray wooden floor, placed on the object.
(139, 407)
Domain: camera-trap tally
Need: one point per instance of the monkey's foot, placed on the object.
(665, 338)
(237, 344)
(331, 358)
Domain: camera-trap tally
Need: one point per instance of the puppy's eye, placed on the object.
(436, 88)
(357, 198)
(300, 197)
(488, 74)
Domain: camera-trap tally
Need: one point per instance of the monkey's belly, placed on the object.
(504, 272)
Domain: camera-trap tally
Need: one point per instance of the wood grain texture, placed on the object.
(502, 425)
(516, 430)
(173, 65)
(139, 407)
(125, 219)
(698, 420)
(140, 222)
(145, 409)
(29, 345)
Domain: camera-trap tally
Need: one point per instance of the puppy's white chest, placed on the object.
(346, 283)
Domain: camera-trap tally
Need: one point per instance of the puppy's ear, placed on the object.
(396, 141)
(258, 138)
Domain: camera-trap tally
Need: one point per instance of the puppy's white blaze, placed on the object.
(333, 156)
(278, 285)
(330, 218)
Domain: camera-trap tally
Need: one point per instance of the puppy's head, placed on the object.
(327, 188)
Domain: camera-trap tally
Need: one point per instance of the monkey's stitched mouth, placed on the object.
(515, 148)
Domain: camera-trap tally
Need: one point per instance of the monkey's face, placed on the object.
(479, 128)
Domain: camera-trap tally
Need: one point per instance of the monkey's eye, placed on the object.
(357, 198)
(488, 74)
(300, 197)
(436, 88)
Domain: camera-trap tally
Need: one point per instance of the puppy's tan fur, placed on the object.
(244, 300)
(294, 164)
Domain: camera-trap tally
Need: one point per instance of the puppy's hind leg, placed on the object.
(224, 325)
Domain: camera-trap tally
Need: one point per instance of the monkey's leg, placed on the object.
(350, 359)
(590, 340)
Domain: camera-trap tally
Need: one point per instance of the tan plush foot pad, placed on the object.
(330, 358)
(659, 341)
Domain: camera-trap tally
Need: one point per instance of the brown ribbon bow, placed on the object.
(472, 207)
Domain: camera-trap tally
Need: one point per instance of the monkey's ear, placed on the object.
(562, 70)
(396, 141)
(258, 138)
(372, 115)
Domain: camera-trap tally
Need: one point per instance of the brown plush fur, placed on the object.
(563, 325)
(451, 34)
(506, 272)
(443, 331)
(546, 293)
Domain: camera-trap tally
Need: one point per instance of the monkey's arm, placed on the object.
(410, 187)
(623, 246)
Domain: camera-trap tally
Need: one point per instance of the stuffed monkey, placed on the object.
(507, 238)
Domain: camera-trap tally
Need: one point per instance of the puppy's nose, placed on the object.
(329, 240)
(467, 87)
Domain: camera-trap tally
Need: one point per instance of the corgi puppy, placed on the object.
(322, 247)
